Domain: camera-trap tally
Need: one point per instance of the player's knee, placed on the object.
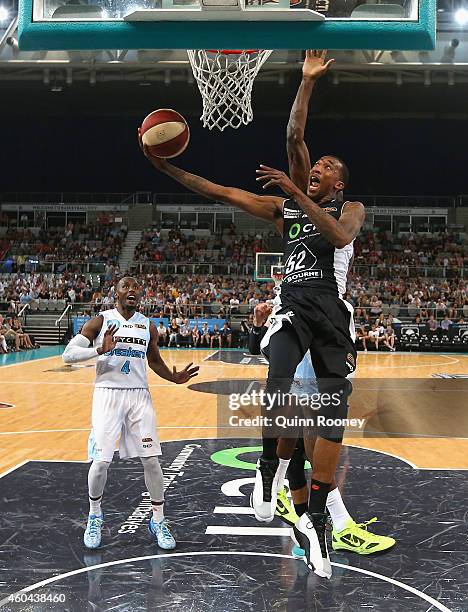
(151, 464)
(100, 468)
(296, 473)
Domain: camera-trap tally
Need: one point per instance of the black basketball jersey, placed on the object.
(309, 259)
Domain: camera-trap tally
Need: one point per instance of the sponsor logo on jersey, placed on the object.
(297, 229)
(147, 439)
(139, 326)
(113, 323)
(292, 214)
(126, 352)
(329, 209)
(129, 340)
(127, 326)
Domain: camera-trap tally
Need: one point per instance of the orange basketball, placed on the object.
(165, 132)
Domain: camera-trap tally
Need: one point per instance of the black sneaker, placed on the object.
(265, 493)
(310, 534)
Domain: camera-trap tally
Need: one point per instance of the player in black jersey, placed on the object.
(316, 262)
(318, 229)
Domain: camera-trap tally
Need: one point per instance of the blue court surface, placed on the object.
(33, 355)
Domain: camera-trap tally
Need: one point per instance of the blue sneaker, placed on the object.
(92, 535)
(297, 552)
(161, 533)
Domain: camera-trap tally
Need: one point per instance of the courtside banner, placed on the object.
(78, 322)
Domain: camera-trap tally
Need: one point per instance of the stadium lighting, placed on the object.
(3, 13)
(461, 16)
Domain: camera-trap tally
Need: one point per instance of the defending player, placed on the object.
(347, 534)
(318, 230)
(123, 339)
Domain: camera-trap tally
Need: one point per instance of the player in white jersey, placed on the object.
(123, 341)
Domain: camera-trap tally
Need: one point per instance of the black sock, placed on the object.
(300, 508)
(318, 496)
(269, 449)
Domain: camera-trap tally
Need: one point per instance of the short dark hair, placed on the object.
(127, 276)
(344, 170)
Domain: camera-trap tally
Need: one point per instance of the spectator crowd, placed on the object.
(414, 277)
(179, 246)
(223, 296)
(407, 253)
(92, 242)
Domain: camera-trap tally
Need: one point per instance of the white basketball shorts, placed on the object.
(123, 417)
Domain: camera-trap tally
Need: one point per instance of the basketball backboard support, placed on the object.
(226, 24)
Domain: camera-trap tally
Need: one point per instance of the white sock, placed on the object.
(283, 466)
(4, 345)
(95, 506)
(338, 512)
(158, 511)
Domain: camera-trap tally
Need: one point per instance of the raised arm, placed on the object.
(78, 348)
(298, 154)
(264, 207)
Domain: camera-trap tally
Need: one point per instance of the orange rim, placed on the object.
(232, 51)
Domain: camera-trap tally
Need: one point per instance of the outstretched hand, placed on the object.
(315, 64)
(273, 177)
(108, 342)
(261, 313)
(157, 162)
(184, 375)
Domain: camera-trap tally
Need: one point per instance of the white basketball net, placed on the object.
(225, 80)
(277, 274)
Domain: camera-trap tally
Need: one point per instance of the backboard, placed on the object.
(267, 266)
(226, 24)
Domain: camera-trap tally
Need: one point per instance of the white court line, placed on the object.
(413, 465)
(35, 431)
(248, 531)
(58, 461)
(15, 467)
(428, 365)
(233, 510)
(365, 448)
(89, 384)
(82, 570)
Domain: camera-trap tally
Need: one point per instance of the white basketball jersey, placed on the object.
(125, 366)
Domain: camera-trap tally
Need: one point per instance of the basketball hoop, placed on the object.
(225, 80)
(277, 274)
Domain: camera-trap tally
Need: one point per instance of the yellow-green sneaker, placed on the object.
(356, 538)
(284, 509)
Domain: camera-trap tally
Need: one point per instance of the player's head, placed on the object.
(328, 176)
(128, 292)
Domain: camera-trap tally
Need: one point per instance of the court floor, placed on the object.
(405, 464)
